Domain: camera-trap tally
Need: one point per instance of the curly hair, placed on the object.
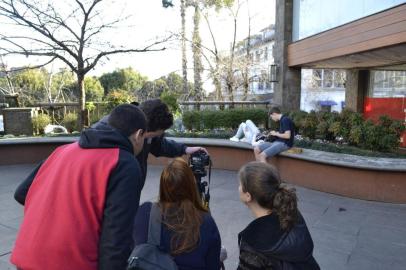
(262, 181)
(158, 114)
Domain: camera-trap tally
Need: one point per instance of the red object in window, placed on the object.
(395, 108)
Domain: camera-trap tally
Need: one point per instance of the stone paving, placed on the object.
(348, 234)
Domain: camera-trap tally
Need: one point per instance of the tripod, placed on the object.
(201, 188)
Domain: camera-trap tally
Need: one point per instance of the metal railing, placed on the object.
(202, 105)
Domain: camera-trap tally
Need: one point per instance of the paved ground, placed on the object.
(348, 233)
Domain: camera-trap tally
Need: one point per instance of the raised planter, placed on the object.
(378, 179)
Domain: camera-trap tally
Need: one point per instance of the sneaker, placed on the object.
(234, 139)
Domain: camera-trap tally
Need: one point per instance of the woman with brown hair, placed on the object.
(189, 233)
(278, 238)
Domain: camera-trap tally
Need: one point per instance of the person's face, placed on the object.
(274, 117)
(153, 134)
(137, 140)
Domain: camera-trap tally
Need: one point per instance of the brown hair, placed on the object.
(275, 110)
(262, 181)
(181, 205)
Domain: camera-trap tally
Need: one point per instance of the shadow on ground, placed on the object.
(347, 233)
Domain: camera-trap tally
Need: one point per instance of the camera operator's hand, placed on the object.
(191, 150)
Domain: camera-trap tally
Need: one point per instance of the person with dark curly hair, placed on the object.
(278, 238)
(159, 119)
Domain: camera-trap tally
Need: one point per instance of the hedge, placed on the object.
(232, 118)
(347, 127)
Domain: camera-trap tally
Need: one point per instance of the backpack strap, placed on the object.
(154, 226)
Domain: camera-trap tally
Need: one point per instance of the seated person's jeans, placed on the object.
(272, 149)
(247, 132)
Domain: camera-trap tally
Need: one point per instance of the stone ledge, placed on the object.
(336, 159)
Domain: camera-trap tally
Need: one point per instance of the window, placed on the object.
(387, 83)
(257, 56)
(339, 78)
(260, 85)
(327, 78)
(317, 78)
(266, 54)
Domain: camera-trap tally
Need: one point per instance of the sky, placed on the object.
(149, 20)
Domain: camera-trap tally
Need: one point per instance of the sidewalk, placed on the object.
(347, 233)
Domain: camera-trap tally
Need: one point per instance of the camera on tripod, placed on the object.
(198, 162)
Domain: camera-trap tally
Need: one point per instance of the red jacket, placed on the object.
(79, 209)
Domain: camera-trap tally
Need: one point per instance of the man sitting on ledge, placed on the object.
(284, 137)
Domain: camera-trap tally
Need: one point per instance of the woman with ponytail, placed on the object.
(278, 238)
(189, 233)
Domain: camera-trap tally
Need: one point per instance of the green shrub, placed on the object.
(298, 118)
(309, 126)
(191, 120)
(70, 121)
(170, 99)
(39, 123)
(209, 119)
(117, 97)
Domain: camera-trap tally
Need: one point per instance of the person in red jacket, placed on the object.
(80, 203)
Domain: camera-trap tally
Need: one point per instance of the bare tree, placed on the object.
(70, 32)
(197, 53)
(245, 72)
(183, 42)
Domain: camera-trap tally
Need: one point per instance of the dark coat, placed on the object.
(118, 203)
(158, 146)
(264, 245)
(206, 256)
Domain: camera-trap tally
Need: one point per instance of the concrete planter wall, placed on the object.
(376, 179)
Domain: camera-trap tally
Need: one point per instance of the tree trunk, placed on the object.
(83, 116)
(197, 61)
(183, 41)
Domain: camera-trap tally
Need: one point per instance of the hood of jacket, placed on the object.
(264, 235)
(104, 136)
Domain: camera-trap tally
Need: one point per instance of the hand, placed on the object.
(273, 133)
(191, 150)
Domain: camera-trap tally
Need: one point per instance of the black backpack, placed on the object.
(148, 256)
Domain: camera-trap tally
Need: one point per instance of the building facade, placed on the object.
(254, 55)
(365, 38)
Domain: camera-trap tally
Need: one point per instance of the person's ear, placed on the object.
(139, 135)
(247, 197)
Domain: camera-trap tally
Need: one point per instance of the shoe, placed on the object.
(234, 139)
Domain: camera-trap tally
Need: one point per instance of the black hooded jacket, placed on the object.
(265, 246)
(158, 146)
(121, 200)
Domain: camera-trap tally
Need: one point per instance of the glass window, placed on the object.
(387, 83)
(317, 78)
(339, 78)
(266, 53)
(311, 17)
(328, 78)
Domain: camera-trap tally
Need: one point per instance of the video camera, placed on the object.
(265, 137)
(198, 162)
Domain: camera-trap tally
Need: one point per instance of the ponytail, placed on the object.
(263, 182)
(284, 204)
